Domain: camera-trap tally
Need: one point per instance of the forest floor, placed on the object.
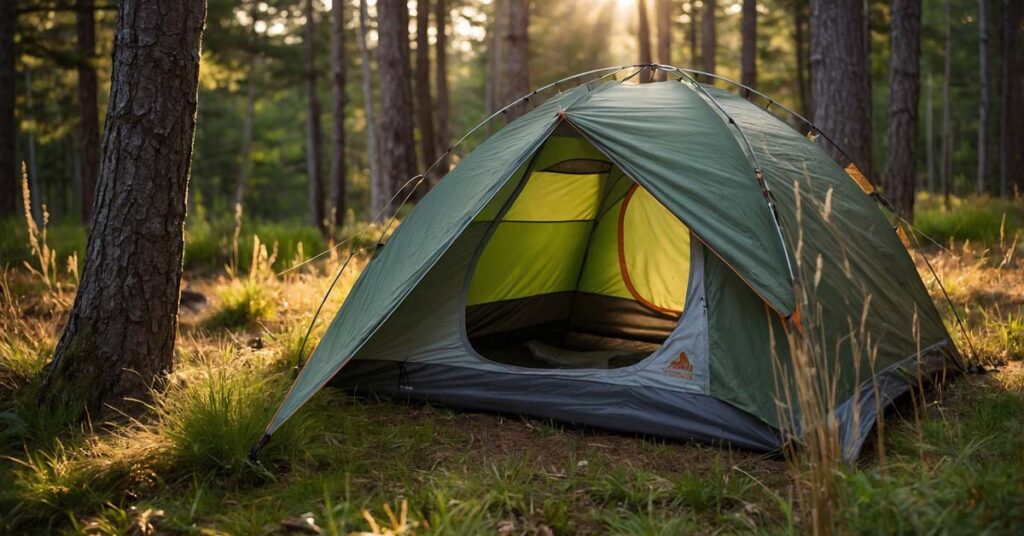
(345, 464)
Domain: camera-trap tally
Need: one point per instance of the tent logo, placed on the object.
(681, 367)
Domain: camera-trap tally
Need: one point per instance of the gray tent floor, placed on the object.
(575, 350)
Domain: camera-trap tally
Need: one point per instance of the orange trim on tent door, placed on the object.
(624, 269)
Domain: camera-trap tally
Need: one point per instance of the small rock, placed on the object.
(305, 523)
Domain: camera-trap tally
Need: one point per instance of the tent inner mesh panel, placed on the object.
(581, 267)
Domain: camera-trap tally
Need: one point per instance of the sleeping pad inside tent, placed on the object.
(638, 258)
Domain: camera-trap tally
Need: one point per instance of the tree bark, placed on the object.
(398, 154)
(983, 95)
(314, 135)
(378, 188)
(708, 40)
(929, 142)
(245, 158)
(748, 59)
(424, 104)
(900, 178)
(88, 113)
(947, 127)
(119, 339)
(663, 11)
(1011, 123)
(8, 127)
(839, 67)
(803, 79)
(515, 56)
(443, 107)
(643, 40)
(694, 30)
(339, 100)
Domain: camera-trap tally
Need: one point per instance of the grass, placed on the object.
(980, 220)
(183, 467)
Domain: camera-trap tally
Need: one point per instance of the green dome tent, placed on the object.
(632, 257)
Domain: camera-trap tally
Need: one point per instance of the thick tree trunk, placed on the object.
(663, 12)
(694, 31)
(839, 67)
(748, 57)
(1011, 122)
(803, 79)
(515, 79)
(119, 338)
(982, 177)
(8, 128)
(708, 39)
(314, 136)
(424, 103)
(88, 113)
(643, 40)
(379, 189)
(339, 100)
(245, 158)
(947, 126)
(443, 107)
(398, 154)
(900, 176)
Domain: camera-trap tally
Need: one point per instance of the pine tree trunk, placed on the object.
(245, 158)
(803, 81)
(119, 339)
(515, 57)
(1011, 123)
(708, 40)
(88, 113)
(380, 191)
(8, 127)
(663, 12)
(983, 75)
(929, 122)
(748, 59)
(900, 176)
(398, 154)
(643, 40)
(694, 31)
(314, 136)
(339, 100)
(492, 85)
(443, 107)
(947, 127)
(424, 103)
(839, 67)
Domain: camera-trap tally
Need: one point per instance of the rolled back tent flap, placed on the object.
(633, 213)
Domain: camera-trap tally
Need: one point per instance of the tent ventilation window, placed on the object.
(584, 269)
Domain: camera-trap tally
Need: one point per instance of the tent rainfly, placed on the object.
(640, 257)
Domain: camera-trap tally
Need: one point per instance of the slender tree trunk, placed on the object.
(492, 89)
(8, 127)
(245, 158)
(88, 113)
(443, 108)
(339, 100)
(314, 136)
(515, 56)
(947, 127)
(708, 39)
(900, 178)
(748, 60)
(398, 153)
(694, 31)
(119, 338)
(424, 103)
(664, 23)
(379, 189)
(929, 133)
(803, 81)
(839, 66)
(1011, 124)
(982, 97)
(644, 40)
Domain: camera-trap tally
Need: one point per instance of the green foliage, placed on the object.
(243, 303)
(984, 220)
(64, 238)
